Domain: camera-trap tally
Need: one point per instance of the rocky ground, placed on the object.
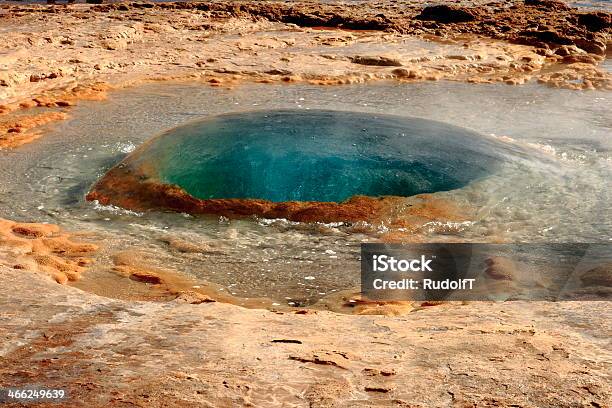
(148, 354)
(185, 349)
(53, 56)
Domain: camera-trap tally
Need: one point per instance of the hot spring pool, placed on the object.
(521, 164)
(318, 156)
(314, 155)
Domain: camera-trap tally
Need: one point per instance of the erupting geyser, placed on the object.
(303, 165)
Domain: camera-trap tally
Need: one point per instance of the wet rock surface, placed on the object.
(121, 186)
(44, 248)
(56, 55)
(197, 350)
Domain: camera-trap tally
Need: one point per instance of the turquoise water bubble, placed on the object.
(318, 155)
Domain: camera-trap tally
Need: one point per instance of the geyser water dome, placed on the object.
(315, 156)
(244, 163)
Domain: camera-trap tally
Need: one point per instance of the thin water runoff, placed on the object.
(520, 164)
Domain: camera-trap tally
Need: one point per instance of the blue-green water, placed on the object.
(318, 155)
(552, 184)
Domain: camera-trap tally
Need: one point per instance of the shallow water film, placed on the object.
(547, 187)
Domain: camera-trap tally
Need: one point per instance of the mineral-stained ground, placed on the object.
(111, 353)
(52, 56)
(185, 349)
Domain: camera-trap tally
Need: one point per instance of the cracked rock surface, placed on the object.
(116, 354)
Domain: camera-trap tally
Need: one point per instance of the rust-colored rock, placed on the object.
(193, 298)
(146, 277)
(65, 70)
(18, 131)
(446, 14)
(132, 189)
(548, 4)
(596, 21)
(44, 248)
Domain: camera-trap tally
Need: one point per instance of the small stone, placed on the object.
(376, 61)
(404, 73)
(193, 298)
(146, 277)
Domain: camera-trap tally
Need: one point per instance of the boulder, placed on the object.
(446, 14)
(545, 36)
(596, 21)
